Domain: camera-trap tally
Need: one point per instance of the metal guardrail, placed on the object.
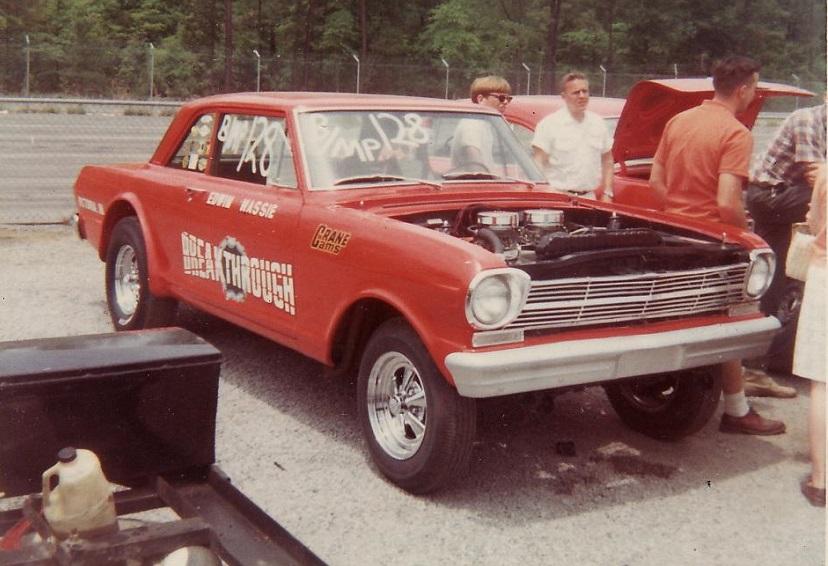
(82, 101)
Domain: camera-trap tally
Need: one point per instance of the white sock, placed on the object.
(736, 405)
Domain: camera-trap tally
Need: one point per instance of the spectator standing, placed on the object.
(573, 146)
(778, 194)
(809, 349)
(699, 169)
(473, 138)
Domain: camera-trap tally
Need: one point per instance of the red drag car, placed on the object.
(637, 123)
(348, 228)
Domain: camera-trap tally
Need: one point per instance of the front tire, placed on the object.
(131, 305)
(419, 430)
(667, 406)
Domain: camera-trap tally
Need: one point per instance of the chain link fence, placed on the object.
(142, 71)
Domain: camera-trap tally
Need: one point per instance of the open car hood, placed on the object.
(650, 104)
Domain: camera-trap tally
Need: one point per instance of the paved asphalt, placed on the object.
(289, 438)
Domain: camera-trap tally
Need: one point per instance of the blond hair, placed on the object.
(487, 85)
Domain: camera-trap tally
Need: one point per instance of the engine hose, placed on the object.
(486, 237)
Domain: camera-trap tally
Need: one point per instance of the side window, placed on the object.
(195, 149)
(255, 149)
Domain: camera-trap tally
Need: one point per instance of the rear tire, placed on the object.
(419, 430)
(667, 406)
(131, 305)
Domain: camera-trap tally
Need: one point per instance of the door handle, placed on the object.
(191, 192)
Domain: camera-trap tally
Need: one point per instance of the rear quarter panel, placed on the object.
(106, 194)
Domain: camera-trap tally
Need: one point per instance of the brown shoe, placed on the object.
(751, 423)
(814, 495)
(760, 384)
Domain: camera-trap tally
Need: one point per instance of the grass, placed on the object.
(129, 111)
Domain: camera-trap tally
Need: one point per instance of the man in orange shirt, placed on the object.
(699, 170)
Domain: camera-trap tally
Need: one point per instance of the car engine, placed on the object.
(580, 241)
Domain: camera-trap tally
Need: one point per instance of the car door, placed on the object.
(235, 243)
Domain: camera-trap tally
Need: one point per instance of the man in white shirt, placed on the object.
(471, 147)
(573, 146)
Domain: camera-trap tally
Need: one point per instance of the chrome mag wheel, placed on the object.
(127, 281)
(397, 405)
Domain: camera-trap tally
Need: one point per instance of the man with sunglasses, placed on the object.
(573, 146)
(473, 139)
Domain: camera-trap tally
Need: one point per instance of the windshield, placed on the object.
(363, 147)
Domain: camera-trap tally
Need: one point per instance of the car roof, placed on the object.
(530, 108)
(289, 101)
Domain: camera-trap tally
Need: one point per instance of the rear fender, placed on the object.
(128, 204)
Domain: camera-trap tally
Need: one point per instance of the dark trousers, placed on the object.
(774, 210)
(778, 237)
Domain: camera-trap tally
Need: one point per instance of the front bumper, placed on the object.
(578, 362)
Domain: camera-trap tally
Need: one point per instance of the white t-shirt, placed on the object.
(472, 133)
(574, 148)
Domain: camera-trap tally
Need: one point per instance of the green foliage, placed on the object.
(101, 47)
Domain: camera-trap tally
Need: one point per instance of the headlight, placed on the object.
(760, 273)
(496, 297)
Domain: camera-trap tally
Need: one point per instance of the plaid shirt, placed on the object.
(800, 139)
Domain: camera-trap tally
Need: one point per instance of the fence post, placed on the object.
(446, 65)
(528, 77)
(354, 55)
(258, 70)
(151, 69)
(796, 98)
(28, 50)
(603, 81)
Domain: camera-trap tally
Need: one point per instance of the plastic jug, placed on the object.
(82, 501)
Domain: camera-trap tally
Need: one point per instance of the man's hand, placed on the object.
(604, 192)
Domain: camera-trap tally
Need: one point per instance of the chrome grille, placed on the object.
(585, 301)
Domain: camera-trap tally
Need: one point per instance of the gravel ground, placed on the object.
(288, 437)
